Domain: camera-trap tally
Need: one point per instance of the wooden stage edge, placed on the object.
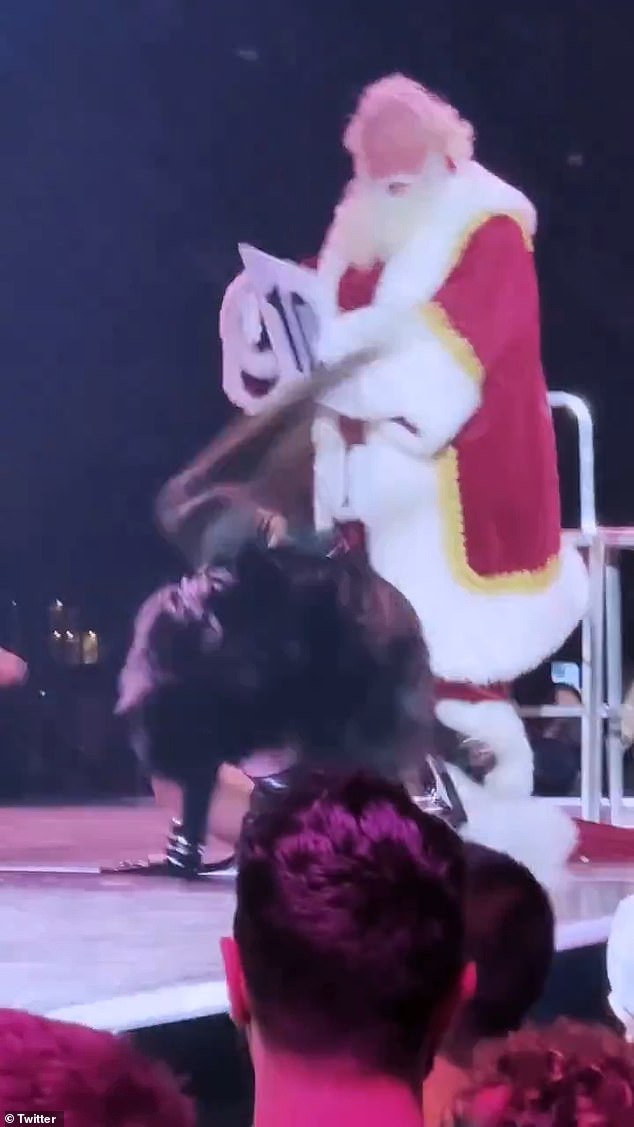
(123, 952)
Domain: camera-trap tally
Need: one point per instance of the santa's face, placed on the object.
(399, 140)
(380, 217)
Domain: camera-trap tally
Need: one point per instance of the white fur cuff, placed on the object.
(346, 334)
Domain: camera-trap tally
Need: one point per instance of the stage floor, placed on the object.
(127, 952)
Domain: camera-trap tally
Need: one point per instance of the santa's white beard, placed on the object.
(372, 225)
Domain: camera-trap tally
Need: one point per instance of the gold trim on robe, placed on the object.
(478, 221)
(457, 346)
(466, 358)
(512, 582)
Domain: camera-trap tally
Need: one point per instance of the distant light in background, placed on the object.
(90, 648)
(248, 54)
(68, 643)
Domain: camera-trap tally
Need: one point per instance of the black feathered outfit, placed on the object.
(288, 646)
(285, 648)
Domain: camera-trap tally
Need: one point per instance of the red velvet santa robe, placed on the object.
(499, 476)
(494, 590)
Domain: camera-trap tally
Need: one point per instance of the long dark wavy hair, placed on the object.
(283, 647)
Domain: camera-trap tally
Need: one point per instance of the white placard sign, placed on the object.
(291, 301)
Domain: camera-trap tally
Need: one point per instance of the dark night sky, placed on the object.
(140, 139)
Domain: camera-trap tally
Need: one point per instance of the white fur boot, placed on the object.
(496, 724)
(532, 831)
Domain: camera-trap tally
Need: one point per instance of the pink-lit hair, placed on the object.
(564, 1074)
(92, 1078)
(398, 105)
(349, 922)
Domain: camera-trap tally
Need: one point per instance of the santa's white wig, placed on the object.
(397, 119)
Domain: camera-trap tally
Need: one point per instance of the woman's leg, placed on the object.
(232, 793)
(188, 806)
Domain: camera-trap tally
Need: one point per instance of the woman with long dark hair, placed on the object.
(296, 650)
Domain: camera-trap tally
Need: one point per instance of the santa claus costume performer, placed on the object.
(440, 451)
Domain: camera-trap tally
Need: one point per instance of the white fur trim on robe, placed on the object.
(419, 382)
(415, 273)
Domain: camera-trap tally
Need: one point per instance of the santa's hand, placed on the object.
(332, 347)
(368, 329)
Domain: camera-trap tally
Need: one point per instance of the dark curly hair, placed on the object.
(284, 647)
(566, 1075)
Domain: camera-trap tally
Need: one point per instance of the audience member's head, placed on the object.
(348, 930)
(93, 1079)
(510, 937)
(286, 648)
(567, 1075)
(620, 965)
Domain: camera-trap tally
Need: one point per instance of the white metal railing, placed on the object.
(578, 408)
(601, 631)
(614, 541)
